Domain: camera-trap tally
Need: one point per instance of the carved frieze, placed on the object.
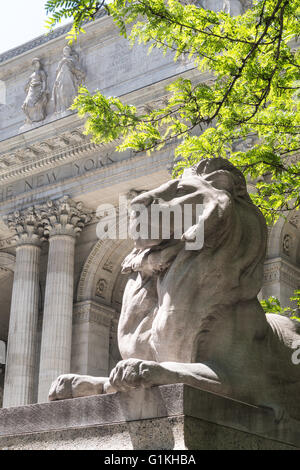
(91, 312)
(279, 270)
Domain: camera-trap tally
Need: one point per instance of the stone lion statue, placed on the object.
(192, 316)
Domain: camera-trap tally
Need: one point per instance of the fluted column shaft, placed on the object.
(21, 351)
(57, 323)
(63, 220)
(19, 374)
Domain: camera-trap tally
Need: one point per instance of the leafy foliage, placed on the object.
(251, 89)
(272, 305)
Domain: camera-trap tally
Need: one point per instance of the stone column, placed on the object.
(64, 220)
(20, 361)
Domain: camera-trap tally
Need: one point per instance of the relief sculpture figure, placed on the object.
(36, 100)
(193, 316)
(68, 78)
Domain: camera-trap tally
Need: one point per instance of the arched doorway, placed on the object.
(97, 309)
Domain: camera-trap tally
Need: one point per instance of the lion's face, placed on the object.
(172, 200)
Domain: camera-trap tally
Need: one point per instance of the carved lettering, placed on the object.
(7, 193)
(40, 180)
(92, 164)
(68, 171)
(52, 177)
(28, 186)
(78, 168)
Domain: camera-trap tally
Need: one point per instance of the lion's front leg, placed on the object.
(135, 373)
(75, 386)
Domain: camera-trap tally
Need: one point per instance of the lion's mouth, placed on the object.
(142, 243)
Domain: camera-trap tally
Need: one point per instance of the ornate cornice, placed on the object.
(45, 154)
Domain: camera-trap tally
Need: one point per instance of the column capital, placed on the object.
(27, 226)
(64, 217)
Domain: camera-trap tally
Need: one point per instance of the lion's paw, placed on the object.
(75, 386)
(61, 388)
(134, 373)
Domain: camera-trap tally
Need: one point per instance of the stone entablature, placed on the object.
(90, 311)
(44, 153)
(46, 150)
(279, 269)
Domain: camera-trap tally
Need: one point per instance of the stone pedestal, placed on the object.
(171, 417)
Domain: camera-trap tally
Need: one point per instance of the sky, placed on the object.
(21, 21)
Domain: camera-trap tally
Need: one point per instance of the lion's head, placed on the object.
(177, 199)
(234, 229)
